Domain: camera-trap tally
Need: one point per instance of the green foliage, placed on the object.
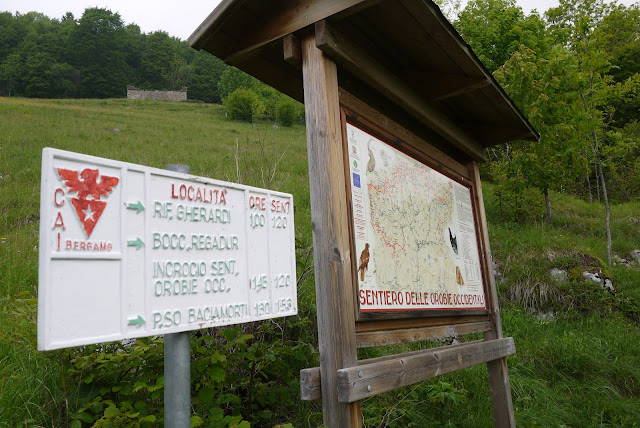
(207, 71)
(97, 56)
(34, 389)
(243, 104)
(288, 112)
(97, 51)
(497, 28)
(236, 377)
(233, 79)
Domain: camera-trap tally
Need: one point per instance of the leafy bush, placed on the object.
(237, 374)
(287, 112)
(244, 104)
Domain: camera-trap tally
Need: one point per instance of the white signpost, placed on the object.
(130, 251)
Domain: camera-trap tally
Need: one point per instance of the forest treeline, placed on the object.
(572, 70)
(97, 56)
(574, 74)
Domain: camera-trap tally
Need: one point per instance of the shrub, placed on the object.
(244, 104)
(287, 112)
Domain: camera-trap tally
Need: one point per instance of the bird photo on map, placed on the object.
(454, 242)
(364, 261)
(459, 279)
(372, 160)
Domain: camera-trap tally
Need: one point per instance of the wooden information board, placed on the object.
(414, 232)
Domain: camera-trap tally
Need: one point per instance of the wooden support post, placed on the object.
(329, 217)
(499, 386)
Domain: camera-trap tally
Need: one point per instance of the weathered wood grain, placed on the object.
(329, 217)
(367, 380)
(399, 136)
(389, 337)
(499, 386)
(291, 50)
(335, 44)
(286, 17)
(379, 325)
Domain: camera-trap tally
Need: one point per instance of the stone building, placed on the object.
(134, 93)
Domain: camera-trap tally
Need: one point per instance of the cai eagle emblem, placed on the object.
(91, 186)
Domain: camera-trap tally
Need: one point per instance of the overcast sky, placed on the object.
(178, 18)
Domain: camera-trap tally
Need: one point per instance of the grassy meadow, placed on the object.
(578, 347)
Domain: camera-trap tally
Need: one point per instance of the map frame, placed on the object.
(411, 150)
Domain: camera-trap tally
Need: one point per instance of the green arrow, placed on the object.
(137, 321)
(137, 243)
(137, 206)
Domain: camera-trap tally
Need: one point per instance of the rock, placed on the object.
(620, 261)
(593, 277)
(559, 275)
(599, 279)
(608, 284)
(546, 316)
(635, 256)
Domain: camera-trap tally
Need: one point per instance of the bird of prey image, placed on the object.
(364, 261)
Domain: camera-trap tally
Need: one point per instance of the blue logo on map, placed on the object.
(356, 180)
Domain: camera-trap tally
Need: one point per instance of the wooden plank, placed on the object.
(406, 335)
(350, 56)
(310, 383)
(380, 325)
(398, 135)
(366, 380)
(289, 82)
(440, 86)
(291, 50)
(329, 217)
(285, 17)
(205, 32)
(499, 385)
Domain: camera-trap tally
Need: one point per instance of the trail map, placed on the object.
(414, 232)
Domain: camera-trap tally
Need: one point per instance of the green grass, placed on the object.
(580, 368)
(142, 132)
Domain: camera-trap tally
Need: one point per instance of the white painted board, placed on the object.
(130, 251)
(414, 231)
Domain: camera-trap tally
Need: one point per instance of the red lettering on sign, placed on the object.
(257, 202)
(279, 206)
(59, 222)
(55, 197)
(173, 191)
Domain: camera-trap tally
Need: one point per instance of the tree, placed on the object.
(496, 28)
(577, 24)
(233, 79)
(207, 71)
(178, 74)
(539, 88)
(99, 53)
(9, 72)
(159, 52)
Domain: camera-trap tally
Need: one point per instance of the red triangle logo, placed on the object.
(89, 213)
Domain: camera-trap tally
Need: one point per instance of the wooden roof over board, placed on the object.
(399, 56)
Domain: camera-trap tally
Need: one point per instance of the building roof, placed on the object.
(399, 56)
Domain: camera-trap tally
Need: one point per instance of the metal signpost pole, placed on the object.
(177, 366)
